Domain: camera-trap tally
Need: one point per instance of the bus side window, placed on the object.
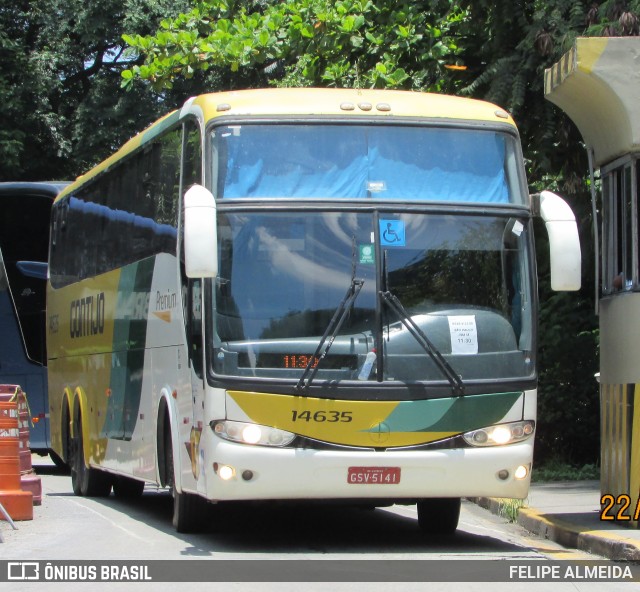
(59, 255)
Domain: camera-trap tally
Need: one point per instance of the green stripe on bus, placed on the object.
(455, 414)
(127, 359)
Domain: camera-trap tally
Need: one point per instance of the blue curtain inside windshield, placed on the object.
(385, 162)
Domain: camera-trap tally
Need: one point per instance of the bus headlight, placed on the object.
(251, 433)
(499, 435)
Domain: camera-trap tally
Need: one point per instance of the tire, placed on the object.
(127, 487)
(60, 464)
(439, 515)
(189, 510)
(86, 481)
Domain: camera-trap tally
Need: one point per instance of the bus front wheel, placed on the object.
(189, 510)
(439, 515)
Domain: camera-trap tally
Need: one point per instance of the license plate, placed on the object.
(373, 475)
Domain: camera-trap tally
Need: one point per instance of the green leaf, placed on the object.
(306, 31)
(373, 39)
(398, 76)
(348, 23)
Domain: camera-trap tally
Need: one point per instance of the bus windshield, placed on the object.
(463, 281)
(408, 163)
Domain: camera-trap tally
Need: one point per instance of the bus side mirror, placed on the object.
(200, 233)
(33, 269)
(564, 243)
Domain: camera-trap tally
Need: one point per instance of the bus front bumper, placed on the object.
(244, 472)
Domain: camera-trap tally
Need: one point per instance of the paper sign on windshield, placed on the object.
(464, 334)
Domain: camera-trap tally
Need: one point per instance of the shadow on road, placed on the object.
(311, 528)
(295, 528)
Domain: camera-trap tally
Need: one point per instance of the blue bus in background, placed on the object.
(25, 210)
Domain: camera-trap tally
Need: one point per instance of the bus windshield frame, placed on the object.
(301, 253)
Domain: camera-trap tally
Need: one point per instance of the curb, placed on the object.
(599, 542)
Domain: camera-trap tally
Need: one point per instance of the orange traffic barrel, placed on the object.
(9, 474)
(32, 483)
(17, 503)
(29, 481)
(9, 441)
(8, 390)
(24, 419)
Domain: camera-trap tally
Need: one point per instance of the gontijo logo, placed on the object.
(86, 316)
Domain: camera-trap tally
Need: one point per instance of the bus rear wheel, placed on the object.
(86, 481)
(439, 515)
(58, 462)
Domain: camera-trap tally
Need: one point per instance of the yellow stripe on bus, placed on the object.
(350, 423)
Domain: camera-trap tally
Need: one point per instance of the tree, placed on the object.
(491, 49)
(353, 43)
(61, 109)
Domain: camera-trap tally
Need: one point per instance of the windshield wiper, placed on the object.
(338, 318)
(330, 333)
(454, 380)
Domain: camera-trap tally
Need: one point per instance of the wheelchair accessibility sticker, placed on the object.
(392, 233)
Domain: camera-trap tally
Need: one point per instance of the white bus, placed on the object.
(303, 294)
